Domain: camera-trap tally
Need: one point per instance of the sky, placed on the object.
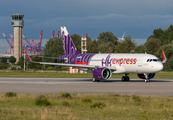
(137, 17)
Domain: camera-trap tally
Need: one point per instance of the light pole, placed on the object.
(24, 59)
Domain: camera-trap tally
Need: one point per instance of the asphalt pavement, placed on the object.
(156, 87)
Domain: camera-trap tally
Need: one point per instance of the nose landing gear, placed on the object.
(146, 78)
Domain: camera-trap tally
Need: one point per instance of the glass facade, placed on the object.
(17, 23)
(17, 20)
(17, 17)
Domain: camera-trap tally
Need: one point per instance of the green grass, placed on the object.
(111, 106)
(55, 74)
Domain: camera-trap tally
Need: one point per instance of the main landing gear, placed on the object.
(146, 78)
(125, 78)
(95, 80)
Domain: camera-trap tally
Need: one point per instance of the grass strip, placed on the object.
(164, 75)
(101, 106)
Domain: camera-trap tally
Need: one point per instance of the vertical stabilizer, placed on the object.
(68, 45)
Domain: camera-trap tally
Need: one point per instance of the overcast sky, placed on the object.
(137, 17)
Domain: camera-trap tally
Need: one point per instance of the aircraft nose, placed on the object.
(160, 67)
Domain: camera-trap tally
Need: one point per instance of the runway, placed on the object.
(156, 87)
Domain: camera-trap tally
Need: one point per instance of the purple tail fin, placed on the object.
(68, 45)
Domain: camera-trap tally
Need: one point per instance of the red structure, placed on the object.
(53, 34)
(30, 46)
(41, 35)
(9, 42)
(39, 48)
(25, 46)
(58, 34)
(35, 48)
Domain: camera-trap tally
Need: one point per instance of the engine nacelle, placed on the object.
(102, 73)
(150, 76)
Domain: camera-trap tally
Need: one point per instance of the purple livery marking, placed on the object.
(68, 45)
(107, 62)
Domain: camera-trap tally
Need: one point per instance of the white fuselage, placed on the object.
(128, 63)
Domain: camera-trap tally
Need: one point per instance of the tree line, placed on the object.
(107, 42)
(162, 39)
(3, 64)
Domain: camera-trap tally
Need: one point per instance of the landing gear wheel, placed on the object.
(127, 78)
(147, 80)
(123, 78)
(94, 80)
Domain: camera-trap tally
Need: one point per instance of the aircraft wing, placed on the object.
(51, 57)
(71, 65)
(76, 65)
(63, 58)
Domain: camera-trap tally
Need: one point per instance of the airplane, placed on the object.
(104, 65)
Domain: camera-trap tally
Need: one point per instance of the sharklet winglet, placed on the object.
(28, 56)
(164, 57)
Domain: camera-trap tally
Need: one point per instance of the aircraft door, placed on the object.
(140, 61)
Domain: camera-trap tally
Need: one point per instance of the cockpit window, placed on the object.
(154, 60)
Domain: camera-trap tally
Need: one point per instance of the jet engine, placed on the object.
(150, 76)
(102, 73)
